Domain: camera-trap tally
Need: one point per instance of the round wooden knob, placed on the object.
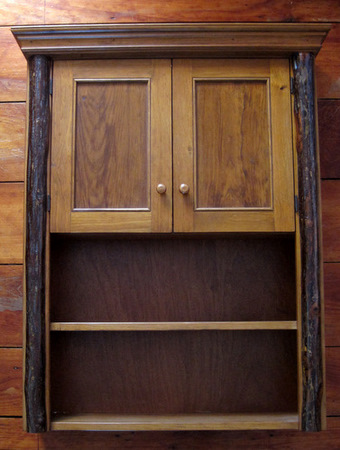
(161, 189)
(184, 189)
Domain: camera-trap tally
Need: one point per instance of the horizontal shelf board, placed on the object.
(172, 326)
(108, 422)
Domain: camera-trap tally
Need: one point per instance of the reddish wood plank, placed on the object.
(329, 137)
(11, 306)
(333, 423)
(332, 304)
(12, 141)
(22, 12)
(328, 65)
(194, 440)
(106, 11)
(12, 69)
(333, 380)
(11, 223)
(13, 437)
(10, 381)
(330, 191)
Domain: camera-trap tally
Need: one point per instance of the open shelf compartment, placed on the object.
(132, 380)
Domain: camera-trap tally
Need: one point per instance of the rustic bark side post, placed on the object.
(36, 207)
(309, 217)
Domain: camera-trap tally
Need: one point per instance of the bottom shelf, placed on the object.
(108, 422)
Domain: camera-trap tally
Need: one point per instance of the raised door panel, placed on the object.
(232, 146)
(111, 146)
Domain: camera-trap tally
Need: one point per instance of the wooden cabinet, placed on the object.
(173, 279)
(113, 125)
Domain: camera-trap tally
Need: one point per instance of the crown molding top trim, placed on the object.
(170, 40)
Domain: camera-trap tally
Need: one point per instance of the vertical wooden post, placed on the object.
(36, 207)
(309, 217)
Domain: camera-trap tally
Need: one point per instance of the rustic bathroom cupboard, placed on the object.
(172, 250)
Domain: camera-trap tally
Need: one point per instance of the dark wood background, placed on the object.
(12, 125)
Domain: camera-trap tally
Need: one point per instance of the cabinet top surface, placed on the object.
(170, 40)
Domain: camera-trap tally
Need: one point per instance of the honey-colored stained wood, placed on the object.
(178, 372)
(172, 280)
(111, 155)
(11, 223)
(333, 380)
(106, 11)
(170, 40)
(10, 381)
(279, 164)
(232, 144)
(177, 422)
(330, 191)
(155, 166)
(13, 71)
(12, 435)
(11, 306)
(87, 440)
(329, 137)
(12, 141)
(22, 12)
(328, 65)
(332, 304)
(171, 326)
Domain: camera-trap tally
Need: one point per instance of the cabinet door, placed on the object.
(111, 146)
(232, 146)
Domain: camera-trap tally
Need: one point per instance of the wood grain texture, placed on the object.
(233, 162)
(332, 304)
(12, 141)
(172, 280)
(333, 380)
(184, 372)
(10, 381)
(310, 242)
(12, 435)
(329, 137)
(35, 242)
(13, 71)
(158, 218)
(330, 190)
(106, 11)
(328, 65)
(280, 217)
(171, 326)
(112, 147)
(177, 422)
(218, 440)
(11, 223)
(170, 40)
(22, 12)
(11, 306)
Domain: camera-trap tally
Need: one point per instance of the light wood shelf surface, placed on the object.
(107, 422)
(172, 326)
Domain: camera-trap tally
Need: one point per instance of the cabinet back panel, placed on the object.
(173, 372)
(203, 279)
(111, 148)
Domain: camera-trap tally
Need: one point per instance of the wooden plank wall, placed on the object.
(12, 122)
